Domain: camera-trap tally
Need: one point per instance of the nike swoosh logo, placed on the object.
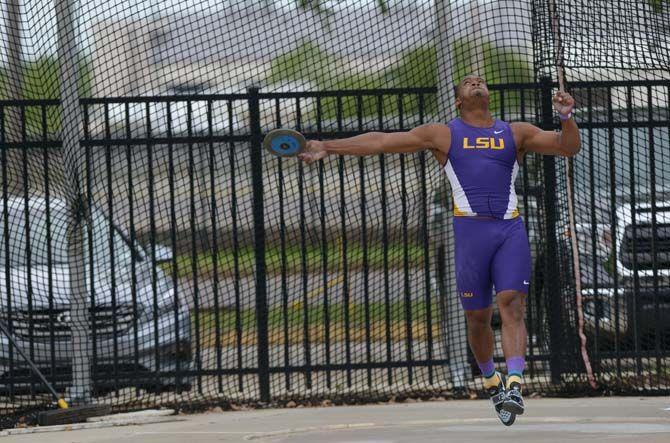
(499, 132)
(526, 282)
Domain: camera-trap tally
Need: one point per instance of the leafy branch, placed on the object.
(318, 6)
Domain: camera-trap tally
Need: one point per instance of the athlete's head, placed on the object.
(472, 92)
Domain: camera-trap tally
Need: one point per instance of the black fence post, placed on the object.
(552, 273)
(259, 243)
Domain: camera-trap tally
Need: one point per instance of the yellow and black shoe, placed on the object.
(498, 397)
(513, 400)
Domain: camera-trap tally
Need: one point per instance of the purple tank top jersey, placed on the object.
(482, 168)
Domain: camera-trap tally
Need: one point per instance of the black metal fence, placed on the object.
(217, 273)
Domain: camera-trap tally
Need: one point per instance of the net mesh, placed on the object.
(209, 272)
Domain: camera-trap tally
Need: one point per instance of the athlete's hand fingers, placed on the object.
(314, 151)
(563, 103)
(564, 98)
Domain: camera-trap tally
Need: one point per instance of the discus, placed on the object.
(284, 142)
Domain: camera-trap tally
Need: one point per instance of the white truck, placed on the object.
(625, 268)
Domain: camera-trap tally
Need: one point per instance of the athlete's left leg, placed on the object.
(512, 307)
(511, 276)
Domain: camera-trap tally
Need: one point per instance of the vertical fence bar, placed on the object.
(385, 266)
(366, 271)
(652, 163)
(304, 267)
(28, 246)
(613, 208)
(594, 269)
(283, 259)
(552, 272)
(405, 265)
(193, 222)
(343, 233)
(236, 266)
(152, 245)
(534, 301)
(634, 303)
(324, 266)
(131, 220)
(345, 274)
(50, 282)
(654, 232)
(324, 249)
(385, 248)
(425, 237)
(215, 247)
(5, 226)
(284, 275)
(6, 245)
(232, 162)
(426, 266)
(90, 167)
(111, 258)
(259, 243)
(305, 278)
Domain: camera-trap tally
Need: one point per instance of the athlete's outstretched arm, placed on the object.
(418, 139)
(566, 143)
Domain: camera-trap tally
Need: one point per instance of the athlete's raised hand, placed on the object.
(564, 104)
(315, 150)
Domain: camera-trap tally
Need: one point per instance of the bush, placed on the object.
(416, 68)
(40, 81)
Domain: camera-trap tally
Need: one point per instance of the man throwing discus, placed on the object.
(481, 157)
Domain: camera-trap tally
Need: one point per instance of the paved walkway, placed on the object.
(623, 419)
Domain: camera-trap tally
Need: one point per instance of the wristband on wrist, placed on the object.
(565, 118)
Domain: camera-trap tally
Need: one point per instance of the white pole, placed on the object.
(71, 115)
(455, 333)
(14, 86)
(476, 38)
(13, 90)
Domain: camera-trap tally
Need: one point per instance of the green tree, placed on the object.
(40, 80)
(658, 4)
(319, 7)
(416, 68)
(307, 62)
(499, 65)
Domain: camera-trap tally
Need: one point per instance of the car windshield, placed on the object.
(631, 155)
(46, 237)
(630, 159)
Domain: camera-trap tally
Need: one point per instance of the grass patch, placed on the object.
(296, 322)
(39, 81)
(227, 262)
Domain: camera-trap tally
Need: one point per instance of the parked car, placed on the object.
(625, 267)
(623, 233)
(138, 328)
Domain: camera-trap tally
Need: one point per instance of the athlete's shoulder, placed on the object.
(437, 138)
(523, 131)
(454, 122)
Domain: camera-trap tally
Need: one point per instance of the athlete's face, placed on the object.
(472, 89)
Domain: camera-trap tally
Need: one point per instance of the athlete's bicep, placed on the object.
(418, 139)
(534, 139)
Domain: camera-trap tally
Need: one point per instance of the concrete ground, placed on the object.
(623, 419)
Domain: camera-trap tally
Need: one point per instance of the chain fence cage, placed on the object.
(153, 254)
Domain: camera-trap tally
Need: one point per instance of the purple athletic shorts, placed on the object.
(490, 252)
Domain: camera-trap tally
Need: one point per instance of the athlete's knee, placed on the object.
(478, 321)
(512, 306)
